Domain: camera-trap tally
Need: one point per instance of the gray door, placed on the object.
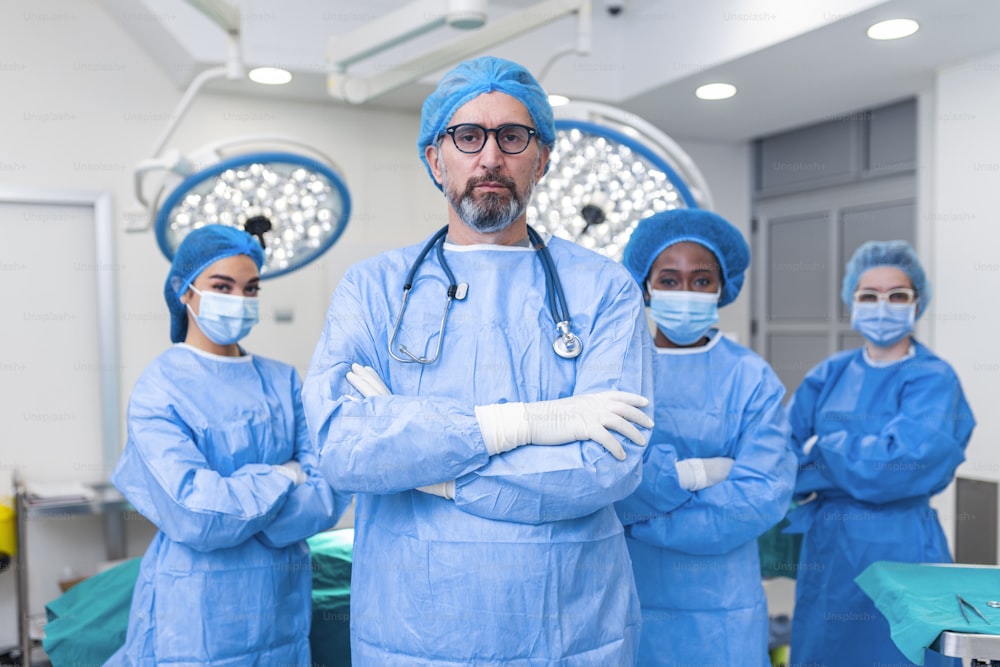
(801, 244)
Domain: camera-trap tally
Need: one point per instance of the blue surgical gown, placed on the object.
(889, 438)
(528, 564)
(226, 579)
(695, 555)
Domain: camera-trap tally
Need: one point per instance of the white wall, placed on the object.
(726, 168)
(961, 216)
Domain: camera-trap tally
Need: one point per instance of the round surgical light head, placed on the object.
(608, 170)
(297, 206)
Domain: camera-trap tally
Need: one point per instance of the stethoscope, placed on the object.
(567, 344)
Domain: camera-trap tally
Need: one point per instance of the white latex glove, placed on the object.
(443, 489)
(809, 444)
(292, 470)
(697, 474)
(582, 417)
(367, 381)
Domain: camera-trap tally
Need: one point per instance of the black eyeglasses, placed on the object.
(470, 138)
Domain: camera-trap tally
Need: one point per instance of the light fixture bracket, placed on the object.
(414, 20)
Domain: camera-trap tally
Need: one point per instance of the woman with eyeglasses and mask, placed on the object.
(878, 430)
(219, 458)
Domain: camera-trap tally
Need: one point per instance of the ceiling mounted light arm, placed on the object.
(402, 25)
(296, 204)
(232, 70)
(580, 48)
(358, 89)
(220, 12)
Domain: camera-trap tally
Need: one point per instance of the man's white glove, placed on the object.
(443, 489)
(292, 470)
(367, 381)
(696, 474)
(557, 422)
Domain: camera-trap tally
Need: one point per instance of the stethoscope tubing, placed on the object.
(555, 296)
(553, 285)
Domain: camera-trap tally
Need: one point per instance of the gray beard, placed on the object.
(493, 213)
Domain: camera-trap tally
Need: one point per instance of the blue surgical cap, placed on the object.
(898, 254)
(472, 78)
(658, 232)
(200, 248)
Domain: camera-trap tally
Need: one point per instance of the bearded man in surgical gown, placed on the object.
(485, 480)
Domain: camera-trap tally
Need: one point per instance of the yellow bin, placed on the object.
(8, 530)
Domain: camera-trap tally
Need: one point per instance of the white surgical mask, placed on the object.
(225, 318)
(684, 317)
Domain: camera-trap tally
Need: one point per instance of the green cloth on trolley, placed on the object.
(330, 634)
(87, 623)
(919, 600)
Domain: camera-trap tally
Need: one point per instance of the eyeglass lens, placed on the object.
(470, 138)
(901, 296)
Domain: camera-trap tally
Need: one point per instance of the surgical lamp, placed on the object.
(287, 194)
(297, 206)
(608, 170)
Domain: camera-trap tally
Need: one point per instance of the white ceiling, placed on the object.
(793, 61)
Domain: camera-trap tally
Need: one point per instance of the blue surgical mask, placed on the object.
(883, 324)
(684, 317)
(225, 318)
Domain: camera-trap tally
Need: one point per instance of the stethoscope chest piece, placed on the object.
(568, 345)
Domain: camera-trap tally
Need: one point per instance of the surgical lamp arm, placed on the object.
(232, 70)
(358, 90)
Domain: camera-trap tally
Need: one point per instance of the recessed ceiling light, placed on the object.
(558, 100)
(271, 76)
(893, 29)
(715, 91)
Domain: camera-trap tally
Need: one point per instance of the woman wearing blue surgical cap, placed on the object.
(219, 458)
(878, 430)
(718, 471)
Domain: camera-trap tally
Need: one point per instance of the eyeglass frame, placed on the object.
(450, 131)
(910, 293)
